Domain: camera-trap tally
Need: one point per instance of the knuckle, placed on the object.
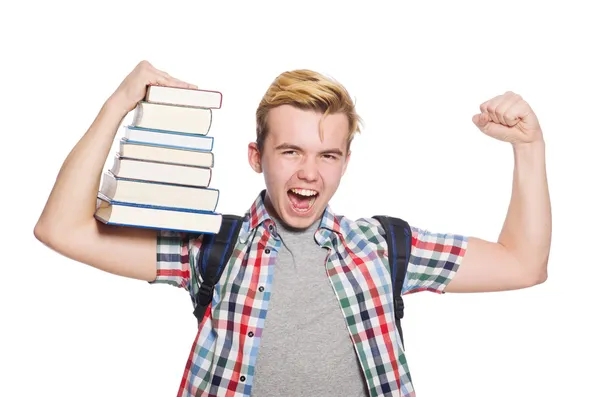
(514, 95)
(145, 65)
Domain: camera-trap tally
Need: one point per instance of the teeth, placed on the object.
(305, 192)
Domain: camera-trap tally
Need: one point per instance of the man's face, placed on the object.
(301, 172)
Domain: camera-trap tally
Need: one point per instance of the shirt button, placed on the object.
(267, 251)
(242, 378)
(261, 288)
(251, 334)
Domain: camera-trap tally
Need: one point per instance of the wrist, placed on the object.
(116, 107)
(530, 154)
(536, 146)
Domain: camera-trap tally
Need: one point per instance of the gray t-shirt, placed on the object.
(305, 348)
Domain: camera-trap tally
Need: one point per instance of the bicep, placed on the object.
(488, 266)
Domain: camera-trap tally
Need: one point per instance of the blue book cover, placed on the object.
(173, 139)
(156, 217)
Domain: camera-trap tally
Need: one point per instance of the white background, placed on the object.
(418, 73)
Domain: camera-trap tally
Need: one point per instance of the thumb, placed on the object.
(481, 120)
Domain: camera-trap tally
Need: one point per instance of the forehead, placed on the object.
(301, 127)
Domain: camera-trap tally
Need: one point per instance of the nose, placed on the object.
(308, 170)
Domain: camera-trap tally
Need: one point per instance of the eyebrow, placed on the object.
(289, 146)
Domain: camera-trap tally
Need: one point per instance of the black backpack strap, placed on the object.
(399, 241)
(215, 251)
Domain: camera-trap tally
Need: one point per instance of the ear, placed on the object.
(346, 161)
(254, 157)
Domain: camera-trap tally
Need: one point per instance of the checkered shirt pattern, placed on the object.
(224, 352)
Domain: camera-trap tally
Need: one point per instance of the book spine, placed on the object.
(217, 200)
(109, 185)
(116, 165)
(210, 122)
(137, 114)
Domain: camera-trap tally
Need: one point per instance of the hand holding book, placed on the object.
(161, 174)
(160, 178)
(134, 87)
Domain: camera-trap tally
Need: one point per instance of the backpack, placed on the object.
(217, 248)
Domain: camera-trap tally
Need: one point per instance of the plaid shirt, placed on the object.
(224, 352)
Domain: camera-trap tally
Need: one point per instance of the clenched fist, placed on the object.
(509, 118)
(133, 88)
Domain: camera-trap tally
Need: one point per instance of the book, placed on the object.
(142, 151)
(167, 138)
(184, 97)
(135, 215)
(182, 119)
(120, 190)
(161, 172)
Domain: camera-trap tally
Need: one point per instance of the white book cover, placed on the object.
(161, 172)
(182, 119)
(140, 216)
(140, 151)
(158, 194)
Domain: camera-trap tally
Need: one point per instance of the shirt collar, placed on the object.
(257, 214)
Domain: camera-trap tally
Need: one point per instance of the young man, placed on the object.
(304, 306)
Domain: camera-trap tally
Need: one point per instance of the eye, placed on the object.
(289, 152)
(330, 156)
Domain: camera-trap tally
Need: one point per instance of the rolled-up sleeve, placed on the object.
(435, 258)
(173, 252)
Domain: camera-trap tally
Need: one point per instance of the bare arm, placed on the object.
(519, 258)
(67, 224)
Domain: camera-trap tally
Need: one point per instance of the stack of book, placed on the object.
(161, 174)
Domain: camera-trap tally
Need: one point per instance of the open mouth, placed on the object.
(302, 199)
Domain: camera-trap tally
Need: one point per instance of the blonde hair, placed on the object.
(307, 90)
